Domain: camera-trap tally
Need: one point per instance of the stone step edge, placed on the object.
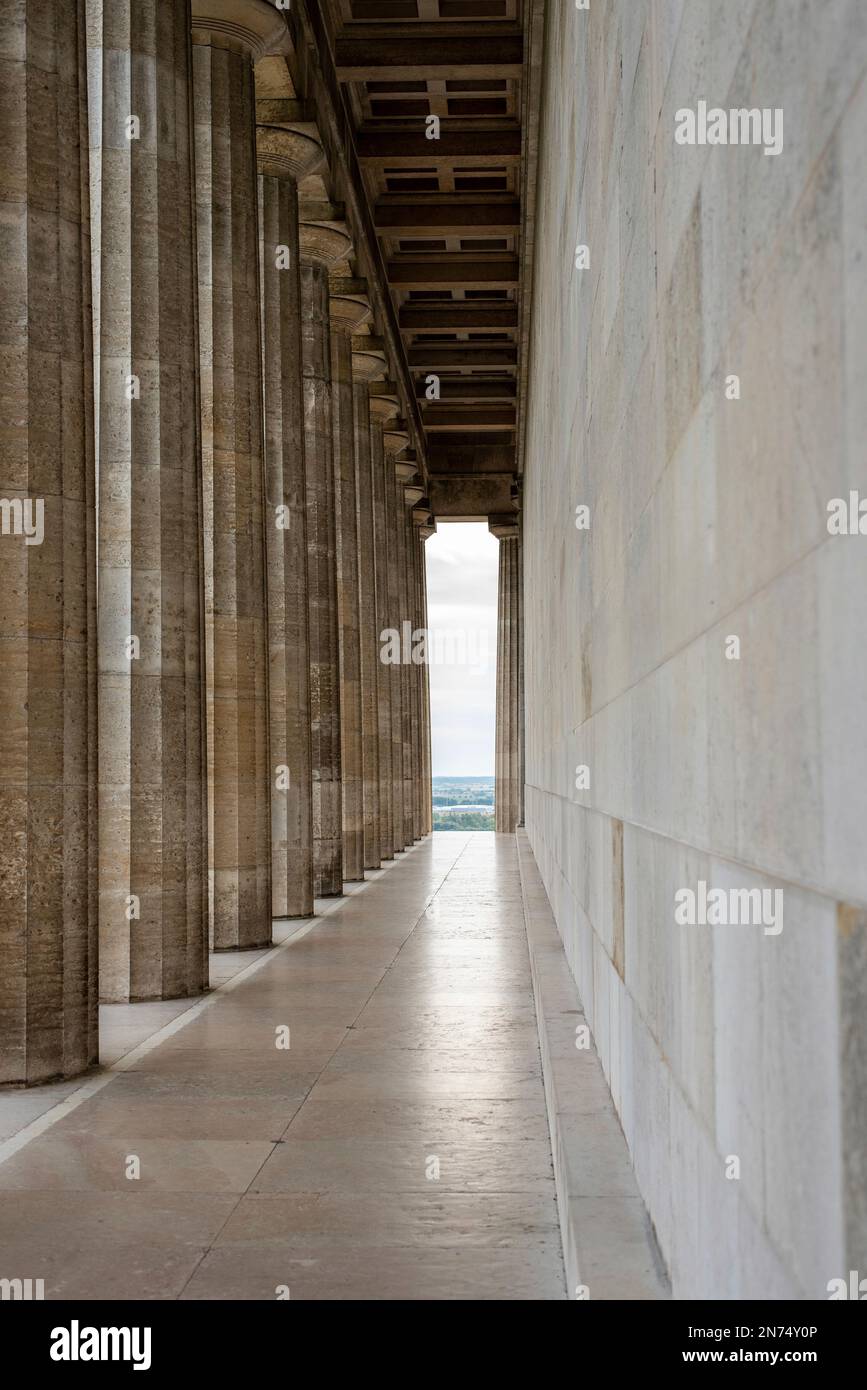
(629, 1265)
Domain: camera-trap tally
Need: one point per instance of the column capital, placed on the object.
(503, 526)
(395, 439)
(347, 313)
(348, 304)
(412, 494)
(369, 362)
(287, 154)
(384, 408)
(253, 27)
(404, 469)
(324, 246)
(421, 512)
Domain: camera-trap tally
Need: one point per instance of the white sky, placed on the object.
(462, 560)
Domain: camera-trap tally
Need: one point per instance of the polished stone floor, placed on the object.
(397, 1148)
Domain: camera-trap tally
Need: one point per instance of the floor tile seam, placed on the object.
(363, 1240)
(350, 1193)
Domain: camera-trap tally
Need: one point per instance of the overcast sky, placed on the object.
(462, 559)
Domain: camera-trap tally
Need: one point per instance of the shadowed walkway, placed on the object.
(413, 1051)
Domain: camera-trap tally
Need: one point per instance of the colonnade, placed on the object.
(198, 732)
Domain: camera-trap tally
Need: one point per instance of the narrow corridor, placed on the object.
(397, 1149)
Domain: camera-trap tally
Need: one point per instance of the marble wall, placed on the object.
(707, 520)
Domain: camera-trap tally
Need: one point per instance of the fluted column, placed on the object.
(383, 409)
(368, 364)
(285, 156)
(227, 36)
(412, 586)
(427, 802)
(406, 625)
(395, 440)
(509, 776)
(418, 683)
(322, 248)
(349, 309)
(48, 921)
(153, 924)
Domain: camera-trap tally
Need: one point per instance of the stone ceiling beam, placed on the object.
(479, 148)
(375, 53)
(470, 418)
(472, 388)
(448, 216)
(458, 270)
(458, 316)
(461, 356)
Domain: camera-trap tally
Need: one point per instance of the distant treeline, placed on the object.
(450, 784)
(463, 820)
(468, 798)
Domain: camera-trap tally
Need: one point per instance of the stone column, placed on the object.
(405, 655)
(285, 156)
(349, 308)
(383, 409)
(322, 248)
(227, 36)
(404, 471)
(509, 775)
(153, 922)
(48, 922)
(412, 582)
(395, 440)
(427, 807)
(417, 673)
(368, 364)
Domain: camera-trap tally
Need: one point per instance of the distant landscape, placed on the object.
(463, 803)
